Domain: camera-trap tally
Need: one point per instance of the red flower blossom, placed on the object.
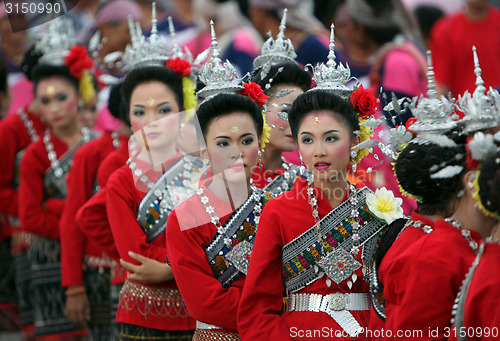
(409, 123)
(364, 102)
(180, 66)
(78, 60)
(254, 91)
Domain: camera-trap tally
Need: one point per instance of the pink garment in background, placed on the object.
(22, 92)
(403, 73)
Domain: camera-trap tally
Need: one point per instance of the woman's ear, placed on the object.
(204, 153)
(356, 140)
(468, 181)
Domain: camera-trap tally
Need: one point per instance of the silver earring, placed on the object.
(80, 106)
(302, 168)
(354, 154)
(470, 185)
(260, 160)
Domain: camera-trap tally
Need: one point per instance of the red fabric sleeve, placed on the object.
(207, 301)
(262, 299)
(11, 140)
(122, 201)
(426, 286)
(81, 180)
(92, 219)
(37, 216)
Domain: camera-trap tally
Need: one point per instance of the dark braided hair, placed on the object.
(414, 168)
(489, 183)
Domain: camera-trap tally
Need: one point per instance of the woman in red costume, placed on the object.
(43, 186)
(320, 256)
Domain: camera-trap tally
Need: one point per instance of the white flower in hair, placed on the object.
(400, 137)
(384, 206)
(482, 145)
(447, 172)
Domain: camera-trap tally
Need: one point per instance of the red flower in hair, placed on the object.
(254, 91)
(78, 60)
(364, 102)
(180, 66)
(409, 123)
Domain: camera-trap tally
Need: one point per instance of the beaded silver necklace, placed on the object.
(51, 153)
(28, 124)
(215, 219)
(161, 194)
(464, 232)
(116, 141)
(354, 214)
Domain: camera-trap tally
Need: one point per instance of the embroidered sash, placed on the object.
(55, 187)
(168, 191)
(228, 262)
(301, 254)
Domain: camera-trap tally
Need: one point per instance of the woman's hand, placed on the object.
(149, 271)
(77, 307)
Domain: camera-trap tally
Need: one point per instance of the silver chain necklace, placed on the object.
(28, 124)
(51, 153)
(215, 219)
(464, 232)
(116, 141)
(354, 214)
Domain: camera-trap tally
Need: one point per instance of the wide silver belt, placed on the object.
(336, 305)
(202, 325)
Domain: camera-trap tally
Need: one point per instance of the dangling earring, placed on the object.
(181, 126)
(302, 168)
(80, 106)
(354, 154)
(260, 160)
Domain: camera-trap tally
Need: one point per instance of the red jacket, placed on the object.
(122, 202)
(14, 138)
(81, 182)
(422, 283)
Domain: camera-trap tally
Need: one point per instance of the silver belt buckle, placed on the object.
(337, 302)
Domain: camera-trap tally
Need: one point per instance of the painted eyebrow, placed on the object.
(227, 137)
(326, 132)
(160, 104)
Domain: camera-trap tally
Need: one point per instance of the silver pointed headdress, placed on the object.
(481, 109)
(217, 76)
(56, 41)
(276, 51)
(332, 76)
(175, 49)
(432, 113)
(151, 51)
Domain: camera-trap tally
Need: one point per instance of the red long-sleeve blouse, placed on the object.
(14, 138)
(38, 215)
(189, 230)
(81, 183)
(260, 314)
(422, 283)
(122, 202)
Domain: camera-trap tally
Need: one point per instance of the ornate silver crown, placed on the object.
(142, 51)
(218, 77)
(331, 76)
(481, 109)
(56, 41)
(276, 51)
(432, 113)
(175, 49)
